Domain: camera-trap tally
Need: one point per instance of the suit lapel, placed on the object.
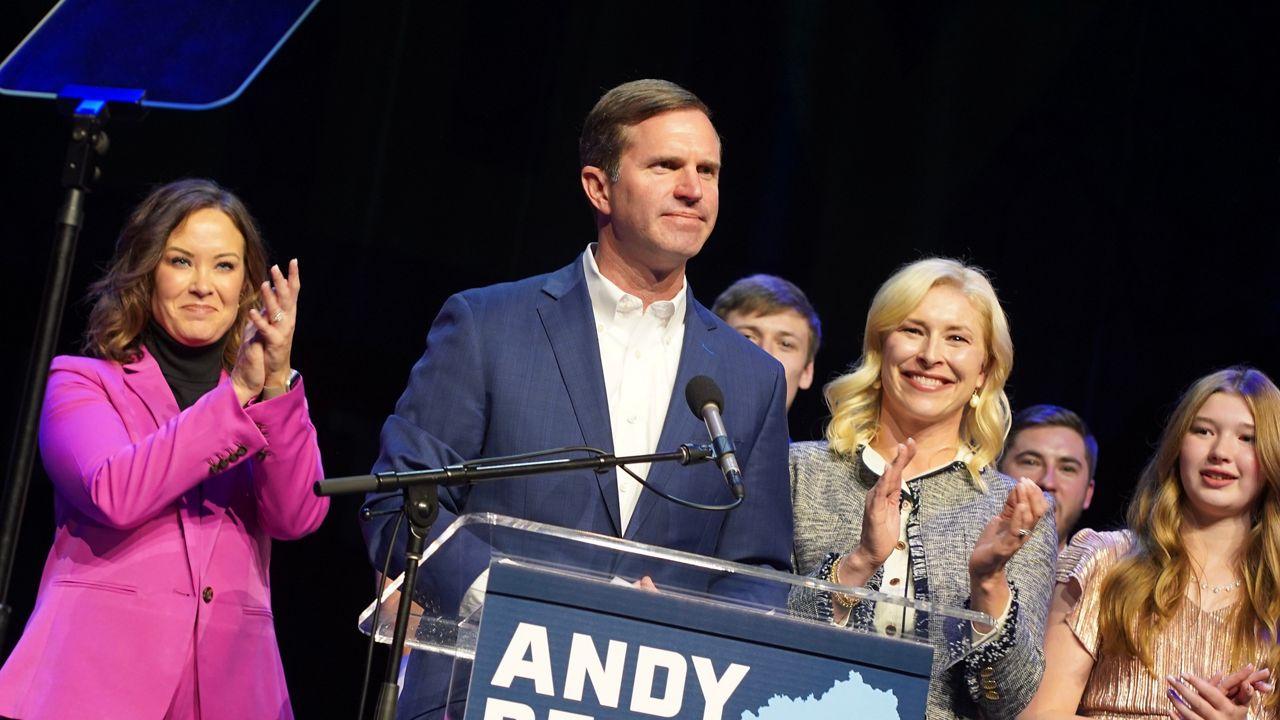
(200, 509)
(570, 325)
(698, 356)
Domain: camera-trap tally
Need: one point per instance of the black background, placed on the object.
(1114, 166)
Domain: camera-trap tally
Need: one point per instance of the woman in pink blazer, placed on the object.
(177, 452)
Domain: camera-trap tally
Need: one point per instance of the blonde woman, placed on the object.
(903, 497)
(1177, 616)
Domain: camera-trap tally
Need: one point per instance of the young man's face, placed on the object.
(785, 336)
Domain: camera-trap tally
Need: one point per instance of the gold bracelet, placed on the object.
(844, 599)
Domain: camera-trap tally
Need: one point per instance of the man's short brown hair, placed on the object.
(769, 295)
(604, 133)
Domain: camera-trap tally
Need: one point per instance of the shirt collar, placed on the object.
(877, 464)
(608, 300)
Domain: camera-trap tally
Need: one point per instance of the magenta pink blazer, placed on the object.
(163, 538)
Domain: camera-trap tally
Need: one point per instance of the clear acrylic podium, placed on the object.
(553, 623)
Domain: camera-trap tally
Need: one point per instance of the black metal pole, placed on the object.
(88, 141)
(420, 508)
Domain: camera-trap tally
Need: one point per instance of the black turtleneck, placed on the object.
(190, 371)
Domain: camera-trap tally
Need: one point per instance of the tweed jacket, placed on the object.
(998, 679)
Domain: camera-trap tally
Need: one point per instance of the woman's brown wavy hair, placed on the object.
(122, 298)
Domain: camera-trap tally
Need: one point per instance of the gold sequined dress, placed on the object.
(1194, 641)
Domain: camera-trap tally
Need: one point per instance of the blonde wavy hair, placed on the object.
(122, 297)
(1148, 585)
(854, 398)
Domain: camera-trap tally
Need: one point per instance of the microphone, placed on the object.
(706, 401)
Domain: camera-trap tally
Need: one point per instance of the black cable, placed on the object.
(681, 501)
(601, 453)
(377, 611)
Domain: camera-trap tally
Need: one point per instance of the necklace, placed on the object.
(1215, 588)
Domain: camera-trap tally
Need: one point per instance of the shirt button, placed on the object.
(895, 581)
(207, 595)
(901, 545)
(631, 419)
(637, 353)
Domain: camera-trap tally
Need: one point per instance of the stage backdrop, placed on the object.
(1115, 167)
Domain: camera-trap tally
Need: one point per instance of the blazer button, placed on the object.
(213, 468)
(207, 595)
(240, 451)
(991, 695)
(261, 454)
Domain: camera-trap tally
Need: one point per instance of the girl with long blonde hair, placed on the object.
(1177, 615)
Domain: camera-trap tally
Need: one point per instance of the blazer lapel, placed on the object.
(698, 356)
(570, 325)
(200, 510)
(145, 380)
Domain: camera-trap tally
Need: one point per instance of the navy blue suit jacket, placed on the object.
(515, 368)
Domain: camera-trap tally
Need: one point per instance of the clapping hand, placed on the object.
(263, 367)
(1195, 698)
(274, 326)
(881, 520)
(1008, 531)
(1244, 683)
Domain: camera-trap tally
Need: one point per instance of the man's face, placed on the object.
(664, 203)
(784, 335)
(1054, 458)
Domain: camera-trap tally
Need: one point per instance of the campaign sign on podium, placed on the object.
(554, 623)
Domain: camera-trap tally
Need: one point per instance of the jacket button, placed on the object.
(240, 451)
(207, 595)
(991, 695)
(213, 468)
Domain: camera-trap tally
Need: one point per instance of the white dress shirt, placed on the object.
(640, 354)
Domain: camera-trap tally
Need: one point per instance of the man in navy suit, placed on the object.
(598, 354)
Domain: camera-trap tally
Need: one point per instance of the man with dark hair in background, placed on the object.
(598, 354)
(776, 315)
(1053, 447)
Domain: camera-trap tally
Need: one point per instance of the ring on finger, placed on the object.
(1023, 532)
(277, 316)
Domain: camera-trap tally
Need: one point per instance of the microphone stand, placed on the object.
(421, 507)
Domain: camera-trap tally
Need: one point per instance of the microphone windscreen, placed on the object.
(700, 391)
